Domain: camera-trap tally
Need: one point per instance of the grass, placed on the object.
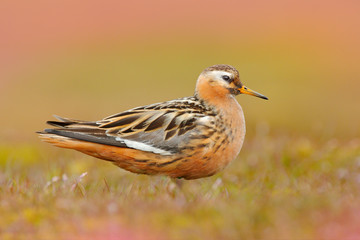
(280, 187)
(284, 185)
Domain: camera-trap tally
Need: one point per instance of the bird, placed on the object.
(186, 138)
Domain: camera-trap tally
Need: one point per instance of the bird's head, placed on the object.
(222, 80)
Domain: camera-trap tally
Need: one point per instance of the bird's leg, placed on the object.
(178, 182)
(175, 189)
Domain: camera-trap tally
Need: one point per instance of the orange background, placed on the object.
(89, 59)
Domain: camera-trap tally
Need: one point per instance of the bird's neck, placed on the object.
(214, 96)
(228, 111)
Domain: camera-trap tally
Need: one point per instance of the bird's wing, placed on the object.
(159, 128)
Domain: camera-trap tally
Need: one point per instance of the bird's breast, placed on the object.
(232, 135)
(216, 144)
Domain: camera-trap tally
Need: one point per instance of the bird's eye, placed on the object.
(226, 78)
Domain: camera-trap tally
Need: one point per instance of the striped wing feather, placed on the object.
(146, 121)
(152, 127)
(174, 117)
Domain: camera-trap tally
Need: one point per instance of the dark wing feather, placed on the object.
(86, 135)
(154, 125)
(178, 114)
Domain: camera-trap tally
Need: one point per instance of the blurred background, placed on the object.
(298, 174)
(90, 59)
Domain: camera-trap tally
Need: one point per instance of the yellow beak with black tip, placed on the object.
(248, 91)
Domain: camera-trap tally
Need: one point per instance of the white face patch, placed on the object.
(218, 75)
(143, 146)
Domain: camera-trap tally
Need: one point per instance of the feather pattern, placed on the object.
(162, 128)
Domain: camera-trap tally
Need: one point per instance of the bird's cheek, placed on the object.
(222, 90)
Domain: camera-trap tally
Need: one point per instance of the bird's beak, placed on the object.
(246, 90)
